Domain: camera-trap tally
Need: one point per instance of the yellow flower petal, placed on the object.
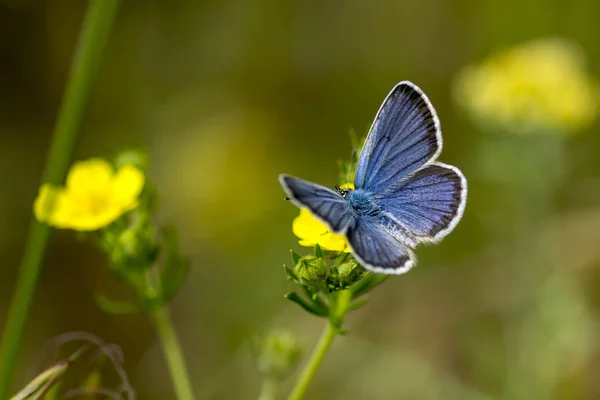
(92, 222)
(64, 211)
(95, 174)
(311, 231)
(307, 226)
(127, 186)
(44, 204)
(306, 243)
(334, 242)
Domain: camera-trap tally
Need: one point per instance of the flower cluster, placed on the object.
(117, 201)
(537, 86)
(332, 282)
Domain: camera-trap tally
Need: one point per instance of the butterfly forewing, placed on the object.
(326, 204)
(405, 135)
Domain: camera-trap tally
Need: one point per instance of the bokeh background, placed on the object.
(225, 95)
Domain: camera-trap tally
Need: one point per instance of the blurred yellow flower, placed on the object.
(94, 196)
(539, 85)
(311, 231)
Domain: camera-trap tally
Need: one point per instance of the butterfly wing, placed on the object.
(377, 247)
(405, 135)
(429, 202)
(326, 204)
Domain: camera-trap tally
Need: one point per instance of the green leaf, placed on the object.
(43, 383)
(358, 304)
(116, 306)
(175, 267)
(317, 301)
(311, 308)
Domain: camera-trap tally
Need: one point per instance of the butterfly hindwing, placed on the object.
(326, 204)
(405, 135)
(376, 248)
(429, 202)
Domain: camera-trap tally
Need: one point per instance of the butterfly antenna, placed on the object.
(351, 169)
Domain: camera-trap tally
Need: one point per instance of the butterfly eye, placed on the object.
(342, 192)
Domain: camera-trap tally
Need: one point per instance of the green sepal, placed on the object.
(330, 254)
(295, 257)
(311, 308)
(368, 283)
(341, 258)
(291, 275)
(318, 251)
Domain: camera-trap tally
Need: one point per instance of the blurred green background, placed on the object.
(225, 95)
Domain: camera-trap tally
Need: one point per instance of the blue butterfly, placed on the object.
(403, 197)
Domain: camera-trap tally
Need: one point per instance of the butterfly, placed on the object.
(403, 197)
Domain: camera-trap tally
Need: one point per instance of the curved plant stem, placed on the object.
(93, 37)
(173, 353)
(310, 369)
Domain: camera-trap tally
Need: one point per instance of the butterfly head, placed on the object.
(343, 192)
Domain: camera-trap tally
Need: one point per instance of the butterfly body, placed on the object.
(403, 197)
(361, 203)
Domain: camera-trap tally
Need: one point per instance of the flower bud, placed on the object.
(279, 353)
(345, 274)
(311, 270)
(135, 248)
(132, 157)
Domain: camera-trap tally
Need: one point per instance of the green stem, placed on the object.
(310, 369)
(268, 391)
(92, 39)
(173, 353)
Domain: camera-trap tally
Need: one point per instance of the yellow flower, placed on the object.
(94, 196)
(539, 85)
(312, 231)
